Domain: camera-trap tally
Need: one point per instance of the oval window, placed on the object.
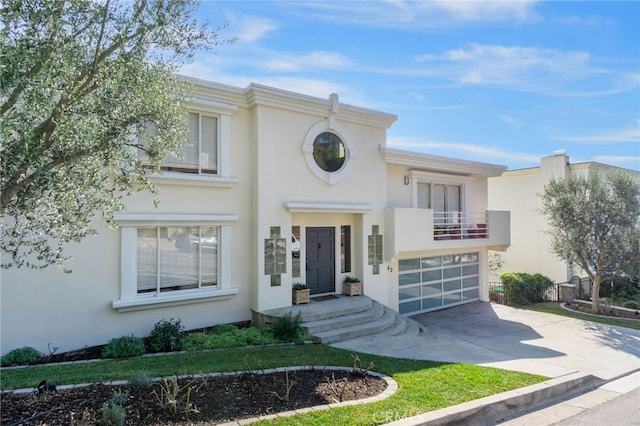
(329, 152)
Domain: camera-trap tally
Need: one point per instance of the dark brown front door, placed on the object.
(321, 265)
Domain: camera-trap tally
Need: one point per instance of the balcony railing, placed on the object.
(459, 225)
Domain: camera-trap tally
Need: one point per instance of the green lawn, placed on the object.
(423, 385)
(555, 308)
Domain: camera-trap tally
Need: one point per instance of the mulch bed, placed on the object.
(604, 311)
(215, 399)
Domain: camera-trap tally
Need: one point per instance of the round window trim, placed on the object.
(329, 152)
(329, 126)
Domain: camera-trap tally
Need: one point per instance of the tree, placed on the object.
(595, 223)
(82, 83)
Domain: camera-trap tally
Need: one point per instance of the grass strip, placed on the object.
(423, 385)
(555, 308)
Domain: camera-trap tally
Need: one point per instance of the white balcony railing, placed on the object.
(460, 225)
(419, 230)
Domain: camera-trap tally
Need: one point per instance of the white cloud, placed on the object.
(484, 11)
(419, 15)
(510, 120)
(308, 61)
(472, 151)
(516, 67)
(249, 29)
(631, 135)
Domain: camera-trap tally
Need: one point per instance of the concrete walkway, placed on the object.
(577, 355)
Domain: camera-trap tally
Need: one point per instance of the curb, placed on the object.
(490, 409)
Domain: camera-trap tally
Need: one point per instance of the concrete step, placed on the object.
(373, 313)
(350, 332)
(343, 318)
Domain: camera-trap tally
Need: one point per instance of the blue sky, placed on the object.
(497, 82)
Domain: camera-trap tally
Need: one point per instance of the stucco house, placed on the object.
(519, 192)
(277, 188)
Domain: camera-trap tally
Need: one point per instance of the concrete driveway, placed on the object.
(514, 339)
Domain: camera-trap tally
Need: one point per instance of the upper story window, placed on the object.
(439, 197)
(199, 153)
(205, 157)
(329, 152)
(200, 150)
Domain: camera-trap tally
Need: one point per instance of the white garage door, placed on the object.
(430, 283)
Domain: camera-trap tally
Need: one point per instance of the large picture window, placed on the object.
(170, 259)
(176, 258)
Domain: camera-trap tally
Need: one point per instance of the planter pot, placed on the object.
(352, 289)
(300, 296)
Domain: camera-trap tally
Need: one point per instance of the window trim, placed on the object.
(130, 300)
(223, 178)
(434, 178)
(328, 125)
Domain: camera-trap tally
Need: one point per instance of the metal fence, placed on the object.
(498, 293)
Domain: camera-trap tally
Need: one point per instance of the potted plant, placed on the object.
(300, 293)
(351, 286)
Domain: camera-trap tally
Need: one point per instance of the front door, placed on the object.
(321, 265)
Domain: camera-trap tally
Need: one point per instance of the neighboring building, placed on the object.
(519, 191)
(278, 188)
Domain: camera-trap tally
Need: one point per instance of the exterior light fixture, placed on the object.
(406, 180)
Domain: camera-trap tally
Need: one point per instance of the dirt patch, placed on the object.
(604, 311)
(210, 400)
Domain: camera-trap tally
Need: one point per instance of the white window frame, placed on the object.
(435, 178)
(223, 178)
(329, 125)
(129, 223)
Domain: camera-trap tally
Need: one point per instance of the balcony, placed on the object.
(415, 230)
(460, 225)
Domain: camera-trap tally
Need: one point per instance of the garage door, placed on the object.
(430, 283)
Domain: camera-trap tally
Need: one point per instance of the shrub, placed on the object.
(631, 304)
(224, 328)
(166, 336)
(227, 336)
(113, 412)
(124, 347)
(21, 356)
(524, 289)
(287, 327)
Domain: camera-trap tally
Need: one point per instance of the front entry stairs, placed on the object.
(342, 318)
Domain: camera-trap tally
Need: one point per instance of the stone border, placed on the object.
(563, 306)
(153, 354)
(392, 387)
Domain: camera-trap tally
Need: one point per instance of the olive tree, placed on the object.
(81, 84)
(595, 224)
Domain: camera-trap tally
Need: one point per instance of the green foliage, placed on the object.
(631, 304)
(113, 414)
(139, 380)
(349, 279)
(595, 223)
(524, 289)
(299, 286)
(228, 336)
(124, 347)
(78, 80)
(287, 327)
(21, 356)
(166, 336)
